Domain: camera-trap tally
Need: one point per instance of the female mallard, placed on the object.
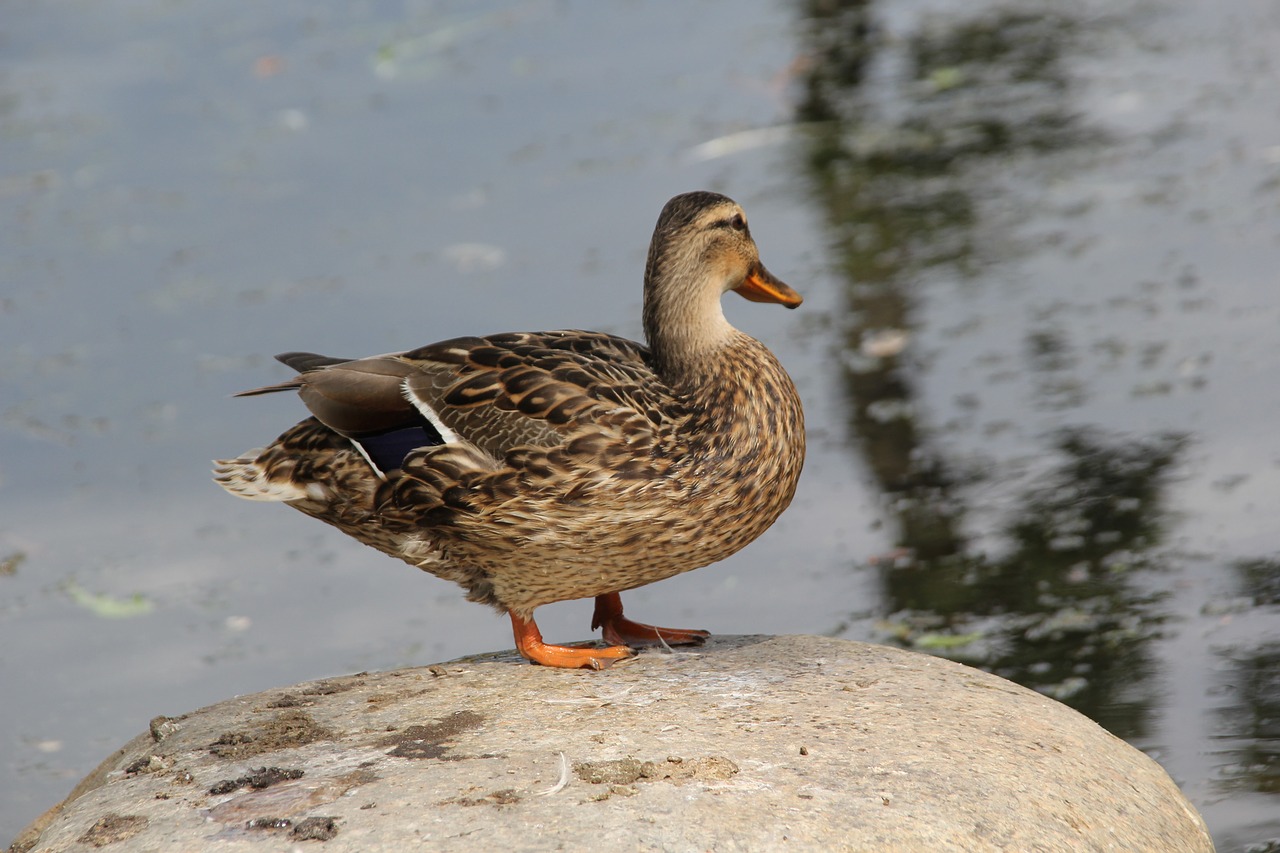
(547, 466)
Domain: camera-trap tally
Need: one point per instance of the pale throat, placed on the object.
(690, 336)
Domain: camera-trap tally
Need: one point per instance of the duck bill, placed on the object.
(760, 285)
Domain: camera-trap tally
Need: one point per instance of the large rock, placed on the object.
(750, 743)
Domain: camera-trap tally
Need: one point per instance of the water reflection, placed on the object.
(1248, 721)
(897, 200)
(1249, 724)
(1058, 611)
(900, 133)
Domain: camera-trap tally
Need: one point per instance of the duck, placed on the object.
(537, 467)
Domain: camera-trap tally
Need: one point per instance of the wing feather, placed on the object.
(498, 393)
(539, 389)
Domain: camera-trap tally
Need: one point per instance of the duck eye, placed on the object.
(737, 223)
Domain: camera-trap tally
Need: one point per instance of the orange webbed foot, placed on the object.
(620, 630)
(531, 647)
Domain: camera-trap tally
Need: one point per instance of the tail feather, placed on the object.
(291, 385)
(308, 463)
(299, 361)
(304, 361)
(246, 477)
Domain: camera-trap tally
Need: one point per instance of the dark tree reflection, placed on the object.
(898, 136)
(1248, 724)
(1057, 611)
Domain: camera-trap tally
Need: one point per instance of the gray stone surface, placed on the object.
(750, 743)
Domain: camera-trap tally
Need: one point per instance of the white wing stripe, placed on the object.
(367, 458)
(449, 436)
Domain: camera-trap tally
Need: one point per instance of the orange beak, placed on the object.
(760, 285)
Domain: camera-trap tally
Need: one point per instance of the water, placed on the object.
(1037, 351)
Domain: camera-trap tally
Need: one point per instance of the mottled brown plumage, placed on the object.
(539, 467)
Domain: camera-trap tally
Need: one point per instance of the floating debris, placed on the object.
(109, 606)
(9, 563)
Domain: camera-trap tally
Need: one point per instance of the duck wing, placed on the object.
(497, 393)
(540, 389)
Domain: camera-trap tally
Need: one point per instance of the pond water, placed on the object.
(1038, 351)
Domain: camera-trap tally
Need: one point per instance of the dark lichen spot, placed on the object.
(289, 729)
(328, 688)
(112, 828)
(625, 771)
(505, 797)
(473, 757)
(429, 741)
(228, 743)
(224, 786)
(263, 777)
(316, 829)
(148, 764)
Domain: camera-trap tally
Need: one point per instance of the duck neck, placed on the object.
(687, 341)
(685, 327)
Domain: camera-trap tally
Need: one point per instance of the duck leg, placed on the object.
(531, 647)
(619, 629)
